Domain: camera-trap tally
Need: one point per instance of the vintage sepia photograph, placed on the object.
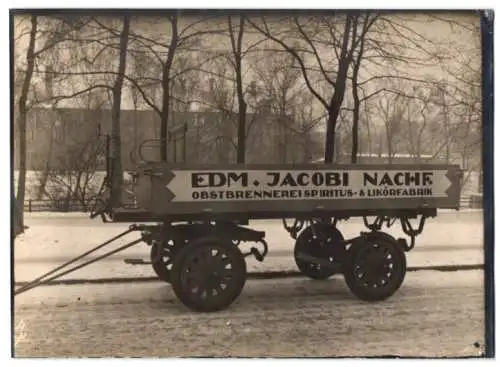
(251, 183)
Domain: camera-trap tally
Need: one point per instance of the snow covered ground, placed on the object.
(434, 314)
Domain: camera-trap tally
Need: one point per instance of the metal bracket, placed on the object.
(410, 231)
(259, 256)
(405, 224)
(295, 228)
(379, 222)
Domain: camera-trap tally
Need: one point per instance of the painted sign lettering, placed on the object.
(257, 185)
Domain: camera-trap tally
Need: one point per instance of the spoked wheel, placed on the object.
(327, 244)
(208, 274)
(375, 269)
(162, 254)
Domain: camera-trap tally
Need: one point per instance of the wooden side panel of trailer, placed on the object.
(179, 189)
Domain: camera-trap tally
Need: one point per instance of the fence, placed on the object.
(54, 206)
(64, 206)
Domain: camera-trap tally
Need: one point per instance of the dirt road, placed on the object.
(434, 314)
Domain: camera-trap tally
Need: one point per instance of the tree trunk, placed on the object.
(240, 154)
(333, 115)
(166, 89)
(22, 123)
(339, 90)
(17, 216)
(357, 104)
(355, 130)
(117, 171)
(330, 137)
(242, 106)
(369, 138)
(355, 116)
(334, 111)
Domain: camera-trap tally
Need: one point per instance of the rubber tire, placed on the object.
(303, 265)
(222, 302)
(350, 277)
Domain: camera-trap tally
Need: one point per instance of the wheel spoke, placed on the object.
(218, 288)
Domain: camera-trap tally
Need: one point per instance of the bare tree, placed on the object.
(185, 85)
(281, 88)
(52, 34)
(236, 47)
(245, 93)
(117, 171)
(357, 59)
(166, 69)
(154, 55)
(341, 36)
(87, 55)
(418, 116)
(391, 109)
(395, 45)
(217, 131)
(49, 97)
(366, 124)
(72, 177)
(22, 124)
(165, 84)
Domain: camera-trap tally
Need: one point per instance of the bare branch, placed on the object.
(315, 51)
(268, 34)
(60, 38)
(61, 97)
